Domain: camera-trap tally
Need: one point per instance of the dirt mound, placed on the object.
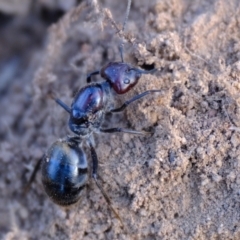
(180, 183)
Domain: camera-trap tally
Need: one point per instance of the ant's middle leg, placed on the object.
(123, 130)
(135, 98)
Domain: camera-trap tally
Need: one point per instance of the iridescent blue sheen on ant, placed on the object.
(64, 172)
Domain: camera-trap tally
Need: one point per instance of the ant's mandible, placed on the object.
(64, 167)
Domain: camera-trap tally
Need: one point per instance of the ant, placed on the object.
(64, 167)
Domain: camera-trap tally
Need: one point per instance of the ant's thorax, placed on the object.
(89, 107)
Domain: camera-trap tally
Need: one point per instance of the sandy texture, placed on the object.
(182, 182)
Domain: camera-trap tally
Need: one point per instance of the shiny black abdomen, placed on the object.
(64, 172)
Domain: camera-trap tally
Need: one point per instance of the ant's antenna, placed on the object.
(123, 28)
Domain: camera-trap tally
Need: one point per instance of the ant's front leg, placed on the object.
(135, 98)
(90, 75)
(61, 103)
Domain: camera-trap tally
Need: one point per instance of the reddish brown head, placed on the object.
(121, 76)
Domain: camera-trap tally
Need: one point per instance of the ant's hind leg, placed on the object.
(94, 160)
(91, 74)
(135, 98)
(94, 175)
(32, 178)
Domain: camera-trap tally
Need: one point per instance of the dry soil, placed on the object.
(183, 181)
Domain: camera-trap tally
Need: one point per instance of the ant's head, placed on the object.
(86, 109)
(121, 76)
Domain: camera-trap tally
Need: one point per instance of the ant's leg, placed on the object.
(61, 103)
(36, 168)
(133, 99)
(123, 130)
(90, 75)
(94, 175)
(94, 160)
(144, 71)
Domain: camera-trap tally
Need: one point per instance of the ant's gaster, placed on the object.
(64, 167)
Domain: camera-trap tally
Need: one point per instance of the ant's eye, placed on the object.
(126, 80)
